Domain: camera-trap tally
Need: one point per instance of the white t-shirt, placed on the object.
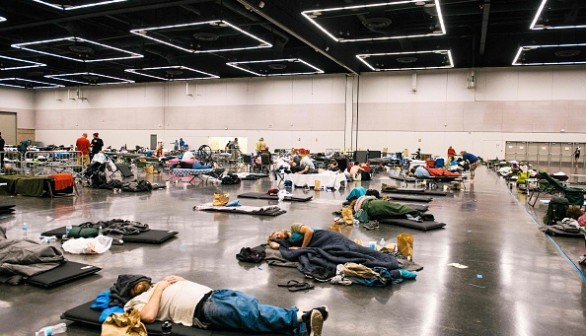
(177, 302)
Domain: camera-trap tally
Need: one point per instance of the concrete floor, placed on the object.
(517, 283)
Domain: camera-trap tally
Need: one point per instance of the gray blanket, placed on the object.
(27, 258)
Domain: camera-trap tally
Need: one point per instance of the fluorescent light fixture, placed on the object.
(2, 19)
(144, 72)
(364, 59)
(34, 84)
(27, 64)
(78, 78)
(26, 46)
(535, 26)
(66, 7)
(517, 60)
(314, 70)
(311, 15)
(222, 23)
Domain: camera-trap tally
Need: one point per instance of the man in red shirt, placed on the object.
(83, 146)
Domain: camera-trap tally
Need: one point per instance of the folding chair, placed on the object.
(266, 163)
(247, 161)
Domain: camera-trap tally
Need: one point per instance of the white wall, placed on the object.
(301, 112)
(506, 105)
(516, 104)
(21, 102)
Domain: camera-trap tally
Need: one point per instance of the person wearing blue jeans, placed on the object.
(193, 304)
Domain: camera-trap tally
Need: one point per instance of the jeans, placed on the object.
(234, 310)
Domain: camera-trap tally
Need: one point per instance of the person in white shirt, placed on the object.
(193, 304)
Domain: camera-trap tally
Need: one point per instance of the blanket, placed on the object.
(27, 258)
(328, 249)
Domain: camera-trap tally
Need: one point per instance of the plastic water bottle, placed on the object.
(68, 228)
(166, 328)
(100, 231)
(24, 230)
(382, 243)
(52, 330)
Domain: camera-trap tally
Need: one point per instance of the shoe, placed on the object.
(324, 311)
(314, 322)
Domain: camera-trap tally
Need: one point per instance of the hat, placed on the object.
(261, 139)
(96, 134)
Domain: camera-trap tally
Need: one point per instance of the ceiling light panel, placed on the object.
(11, 63)
(21, 83)
(415, 60)
(77, 49)
(203, 37)
(277, 67)
(76, 4)
(560, 54)
(551, 14)
(172, 73)
(89, 78)
(379, 21)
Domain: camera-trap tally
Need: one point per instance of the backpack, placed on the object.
(252, 254)
(231, 179)
(556, 210)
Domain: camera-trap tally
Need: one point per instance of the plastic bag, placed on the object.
(97, 245)
(405, 245)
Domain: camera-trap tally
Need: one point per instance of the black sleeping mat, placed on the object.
(68, 271)
(147, 237)
(83, 314)
(415, 191)
(124, 170)
(259, 195)
(6, 211)
(7, 206)
(400, 197)
(423, 226)
(552, 231)
(253, 176)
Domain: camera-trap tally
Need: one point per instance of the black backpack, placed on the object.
(556, 210)
(231, 179)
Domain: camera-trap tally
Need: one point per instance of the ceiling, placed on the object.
(45, 43)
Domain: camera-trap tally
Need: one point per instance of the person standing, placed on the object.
(97, 145)
(473, 162)
(2, 143)
(261, 146)
(234, 147)
(83, 145)
(451, 153)
(577, 155)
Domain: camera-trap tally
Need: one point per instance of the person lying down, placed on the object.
(367, 205)
(176, 299)
(320, 252)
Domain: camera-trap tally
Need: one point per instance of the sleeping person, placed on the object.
(299, 236)
(377, 208)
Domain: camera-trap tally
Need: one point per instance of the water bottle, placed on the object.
(68, 228)
(166, 328)
(24, 230)
(52, 330)
(382, 243)
(100, 231)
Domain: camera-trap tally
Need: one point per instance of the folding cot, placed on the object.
(64, 273)
(271, 211)
(177, 174)
(83, 314)
(259, 195)
(549, 184)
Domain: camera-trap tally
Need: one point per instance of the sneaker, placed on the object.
(314, 322)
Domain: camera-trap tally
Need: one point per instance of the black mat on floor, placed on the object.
(246, 210)
(6, 211)
(259, 195)
(552, 231)
(399, 197)
(147, 237)
(415, 191)
(7, 206)
(83, 314)
(403, 178)
(423, 226)
(66, 272)
(253, 176)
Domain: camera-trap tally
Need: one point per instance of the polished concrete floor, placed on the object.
(518, 281)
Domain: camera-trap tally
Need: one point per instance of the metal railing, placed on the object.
(51, 162)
